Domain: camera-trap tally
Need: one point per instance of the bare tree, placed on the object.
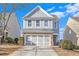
(12, 9)
(4, 19)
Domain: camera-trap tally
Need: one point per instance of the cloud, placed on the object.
(59, 14)
(60, 7)
(50, 9)
(68, 5)
(61, 33)
(76, 15)
(72, 8)
(76, 5)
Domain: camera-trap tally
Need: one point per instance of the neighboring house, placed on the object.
(71, 31)
(0, 25)
(40, 28)
(13, 26)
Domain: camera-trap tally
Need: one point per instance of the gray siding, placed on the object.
(13, 26)
(70, 36)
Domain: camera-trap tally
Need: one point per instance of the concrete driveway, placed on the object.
(34, 51)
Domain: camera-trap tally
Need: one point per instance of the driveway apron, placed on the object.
(34, 51)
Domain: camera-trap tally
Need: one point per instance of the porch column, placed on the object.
(31, 37)
(24, 39)
(50, 40)
(52, 43)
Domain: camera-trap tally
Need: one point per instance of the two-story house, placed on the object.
(40, 28)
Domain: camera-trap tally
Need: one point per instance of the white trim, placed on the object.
(24, 39)
(44, 11)
(43, 40)
(40, 9)
(56, 34)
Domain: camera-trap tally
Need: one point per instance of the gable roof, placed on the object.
(43, 13)
(73, 23)
(7, 15)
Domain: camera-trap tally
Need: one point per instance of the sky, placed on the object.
(62, 10)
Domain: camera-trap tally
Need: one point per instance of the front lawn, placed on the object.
(63, 52)
(6, 49)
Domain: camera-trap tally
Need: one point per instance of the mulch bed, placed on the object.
(63, 52)
(6, 49)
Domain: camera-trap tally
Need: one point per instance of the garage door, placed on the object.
(38, 40)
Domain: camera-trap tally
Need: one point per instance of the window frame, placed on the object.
(38, 23)
(55, 24)
(29, 23)
(46, 23)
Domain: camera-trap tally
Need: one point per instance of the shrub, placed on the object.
(9, 39)
(21, 40)
(16, 40)
(66, 44)
(60, 43)
(76, 47)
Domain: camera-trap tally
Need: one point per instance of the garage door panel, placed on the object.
(28, 40)
(34, 40)
(40, 41)
(40, 44)
(47, 40)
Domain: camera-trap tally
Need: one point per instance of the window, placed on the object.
(69, 31)
(29, 22)
(6, 33)
(37, 23)
(46, 23)
(54, 24)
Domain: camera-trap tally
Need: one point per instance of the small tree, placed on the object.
(16, 40)
(66, 44)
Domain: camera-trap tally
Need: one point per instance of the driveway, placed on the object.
(34, 51)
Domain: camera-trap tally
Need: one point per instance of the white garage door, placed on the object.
(38, 40)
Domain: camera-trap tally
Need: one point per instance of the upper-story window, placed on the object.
(37, 22)
(46, 23)
(55, 24)
(29, 22)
